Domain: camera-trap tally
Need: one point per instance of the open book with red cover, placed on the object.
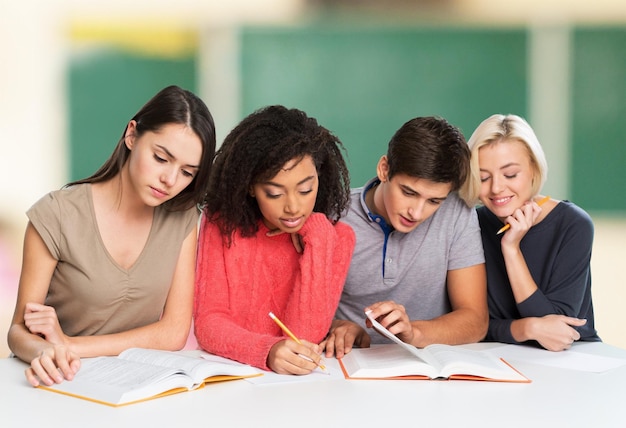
(400, 360)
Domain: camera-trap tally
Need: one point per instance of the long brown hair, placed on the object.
(170, 105)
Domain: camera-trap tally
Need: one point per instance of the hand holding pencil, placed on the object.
(508, 226)
(289, 333)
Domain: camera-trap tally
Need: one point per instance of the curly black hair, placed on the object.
(255, 151)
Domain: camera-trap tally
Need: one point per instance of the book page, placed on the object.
(115, 372)
(448, 360)
(229, 367)
(456, 360)
(160, 358)
(116, 381)
(198, 368)
(419, 353)
(383, 361)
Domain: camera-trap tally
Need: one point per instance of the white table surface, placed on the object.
(556, 397)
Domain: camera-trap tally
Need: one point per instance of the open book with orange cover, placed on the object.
(400, 360)
(143, 374)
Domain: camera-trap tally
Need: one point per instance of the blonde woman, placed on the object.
(538, 270)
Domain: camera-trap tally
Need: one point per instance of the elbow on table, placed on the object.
(482, 326)
(176, 337)
(482, 332)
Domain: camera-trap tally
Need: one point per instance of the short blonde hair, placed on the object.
(498, 129)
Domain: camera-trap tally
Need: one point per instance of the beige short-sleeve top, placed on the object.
(90, 292)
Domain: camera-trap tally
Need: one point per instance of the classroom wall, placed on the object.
(110, 68)
(61, 85)
(364, 81)
(598, 111)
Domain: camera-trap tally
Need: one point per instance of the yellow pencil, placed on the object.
(289, 333)
(507, 226)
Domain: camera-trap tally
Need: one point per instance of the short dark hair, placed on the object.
(256, 149)
(171, 105)
(429, 148)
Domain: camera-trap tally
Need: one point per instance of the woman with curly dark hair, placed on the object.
(270, 241)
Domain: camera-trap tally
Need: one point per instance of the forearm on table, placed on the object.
(454, 328)
(159, 335)
(522, 329)
(220, 336)
(25, 345)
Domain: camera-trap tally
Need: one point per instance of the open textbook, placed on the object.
(400, 360)
(142, 374)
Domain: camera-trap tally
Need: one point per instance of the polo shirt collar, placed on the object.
(378, 219)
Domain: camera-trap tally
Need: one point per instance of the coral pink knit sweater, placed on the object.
(237, 286)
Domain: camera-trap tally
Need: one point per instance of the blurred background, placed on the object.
(74, 72)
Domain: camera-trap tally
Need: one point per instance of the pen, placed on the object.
(507, 226)
(290, 334)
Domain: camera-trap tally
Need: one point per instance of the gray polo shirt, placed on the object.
(408, 268)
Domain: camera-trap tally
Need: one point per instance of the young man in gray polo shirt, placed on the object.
(418, 265)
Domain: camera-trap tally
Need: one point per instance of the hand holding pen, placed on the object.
(297, 341)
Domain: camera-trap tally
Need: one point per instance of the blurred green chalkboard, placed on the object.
(106, 88)
(598, 115)
(364, 83)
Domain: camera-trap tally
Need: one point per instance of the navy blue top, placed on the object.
(558, 253)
